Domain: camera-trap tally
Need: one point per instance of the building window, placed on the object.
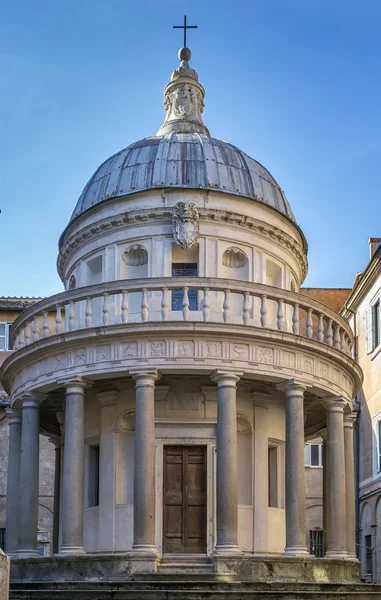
(373, 323)
(377, 431)
(273, 476)
(368, 554)
(93, 480)
(317, 542)
(313, 454)
(3, 538)
(184, 270)
(5, 343)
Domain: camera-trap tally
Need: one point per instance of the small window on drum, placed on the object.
(184, 270)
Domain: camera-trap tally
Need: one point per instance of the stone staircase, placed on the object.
(189, 586)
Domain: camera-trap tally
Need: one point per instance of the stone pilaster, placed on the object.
(261, 493)
(144, 462)
(295, 470)
(29, 476)
(336, 513)
(13, 481)
(349, 420)
(107, 401)
(73, 468)
(56, 441)
(227, 484)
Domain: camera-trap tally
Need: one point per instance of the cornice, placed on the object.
(123, 220)
(361, 288)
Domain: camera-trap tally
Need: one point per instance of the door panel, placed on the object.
(184, 499)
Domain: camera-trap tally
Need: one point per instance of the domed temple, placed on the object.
(179, 375)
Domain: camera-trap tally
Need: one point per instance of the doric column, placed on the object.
(227, 483)
(56, 441)
(107, 401)
(73, 468)
(325, 490)
(14, 417)
(295, 470)
(349, 420)
(29, 475)
(144, 461)
(336, 517)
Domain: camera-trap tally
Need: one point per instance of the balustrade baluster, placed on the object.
(246, 307)
(144, 304)
(329, 333)
(264, 310)
(89, 312)
(106, 309)
(164, 304)
(27, 333)
(35, 332)
(337, 337)
(58, 318)
(320, 329)
(124, 306)
(72, 316)
(295, 319)
(205, 305)
(45, 323)
(309, 323)
(343, 343)
(185, 304)
(226, 306)
(280, 315)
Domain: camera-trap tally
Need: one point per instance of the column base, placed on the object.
(296, 551)
(71, 550)
(340, 554)
(148, 550)
(227, 550)
(27, 554)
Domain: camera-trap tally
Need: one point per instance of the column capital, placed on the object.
(144, 376)
(292, 387)
(13, 415)
(75, 384)
(31, 400)
(107, 398)
(334, 404)
(349, 420)
(226, 378)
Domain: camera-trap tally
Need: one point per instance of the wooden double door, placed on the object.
(184, 499)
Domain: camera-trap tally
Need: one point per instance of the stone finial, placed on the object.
(184, 100)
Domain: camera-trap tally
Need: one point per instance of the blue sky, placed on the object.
(294, 83)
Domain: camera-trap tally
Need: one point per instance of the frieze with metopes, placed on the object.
(202, 354)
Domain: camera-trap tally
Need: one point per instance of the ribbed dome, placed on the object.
(182, 160)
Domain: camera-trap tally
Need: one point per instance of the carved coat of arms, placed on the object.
(185, 224)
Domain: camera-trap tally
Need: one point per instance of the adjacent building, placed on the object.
(10, 309)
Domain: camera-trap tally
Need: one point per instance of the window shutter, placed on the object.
(369, 330)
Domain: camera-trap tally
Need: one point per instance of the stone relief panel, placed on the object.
(265, 355)
(288, 359)
(184, 349)
(157, 349)
(240, 352)
(126, 422)
(130, 350)
(184, 400)
(103, 353)
(212, 349)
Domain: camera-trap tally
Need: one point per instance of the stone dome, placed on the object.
(182, 160)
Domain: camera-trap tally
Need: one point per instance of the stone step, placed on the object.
(190, 589)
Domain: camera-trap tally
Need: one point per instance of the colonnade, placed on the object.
(22, 500)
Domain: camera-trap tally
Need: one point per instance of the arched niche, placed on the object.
(235, 264)
(135, 256)
(245, 460)
(134, 265)
(72, 282)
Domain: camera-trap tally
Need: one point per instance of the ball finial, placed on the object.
(184, 54)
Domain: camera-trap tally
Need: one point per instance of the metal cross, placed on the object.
(185, 27)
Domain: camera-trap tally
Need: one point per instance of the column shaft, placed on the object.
(29, 475)
(57, 493)
(13, 481)
(325, 492)
(73, 470)
(227, 483)
(336, 514)
(350, 484)
(295, 471)
(144, 463)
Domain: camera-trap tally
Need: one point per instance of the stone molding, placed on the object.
(124, 220)
(134, 350)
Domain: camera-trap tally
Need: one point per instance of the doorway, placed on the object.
(184, 499)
